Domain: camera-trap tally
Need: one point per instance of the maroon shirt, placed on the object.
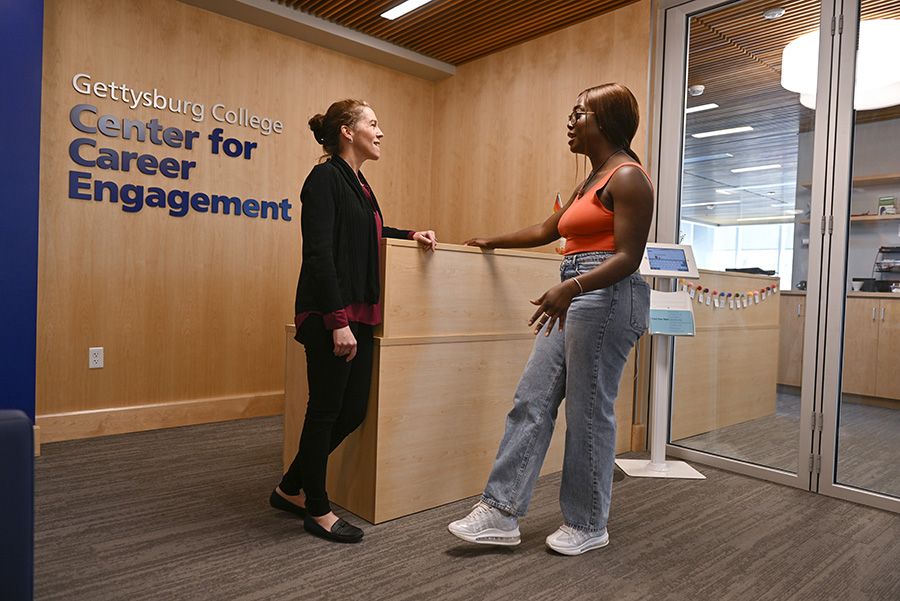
(356, 311)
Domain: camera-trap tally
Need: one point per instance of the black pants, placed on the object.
(338, 398)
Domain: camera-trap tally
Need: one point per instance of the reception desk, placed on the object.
(448, 356)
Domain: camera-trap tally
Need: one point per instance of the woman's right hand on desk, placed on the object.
(344, 343)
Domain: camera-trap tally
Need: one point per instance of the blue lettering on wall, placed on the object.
(232, 146)
(112, 127)
(134, 197)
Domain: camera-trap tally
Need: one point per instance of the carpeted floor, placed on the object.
(182, 514)
(868, 455)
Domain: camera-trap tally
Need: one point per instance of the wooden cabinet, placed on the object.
(871, 347)
(860, 346)
(871, 343)
(790, 338)
(887, 382)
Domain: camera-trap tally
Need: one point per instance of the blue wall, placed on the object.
(21, 36)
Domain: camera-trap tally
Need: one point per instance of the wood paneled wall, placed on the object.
(191, 310)
(500, 145)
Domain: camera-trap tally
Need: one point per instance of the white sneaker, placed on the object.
(487, 525)
(569, 541)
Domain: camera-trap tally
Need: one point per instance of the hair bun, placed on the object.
(315, 124)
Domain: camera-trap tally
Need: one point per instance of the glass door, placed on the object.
(860, 444)
(742, 196)
(778, 160)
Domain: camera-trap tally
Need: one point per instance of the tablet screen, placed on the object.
(669, 260)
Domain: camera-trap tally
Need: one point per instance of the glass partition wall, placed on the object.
(791, 202)
(734, 393)
(863, 448)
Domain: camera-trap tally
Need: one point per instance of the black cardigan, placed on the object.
(340, 248)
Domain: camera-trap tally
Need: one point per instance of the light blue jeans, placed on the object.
(583, 364)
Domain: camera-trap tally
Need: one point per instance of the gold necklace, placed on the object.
(595, 171)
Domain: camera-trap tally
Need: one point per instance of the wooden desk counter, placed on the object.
(448, 356)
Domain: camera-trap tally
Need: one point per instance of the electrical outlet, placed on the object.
(95, 357)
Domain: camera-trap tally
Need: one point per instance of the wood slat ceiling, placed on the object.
(457, 31)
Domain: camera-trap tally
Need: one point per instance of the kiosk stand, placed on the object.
(670, 315)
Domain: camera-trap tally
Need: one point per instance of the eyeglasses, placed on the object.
(575, 115)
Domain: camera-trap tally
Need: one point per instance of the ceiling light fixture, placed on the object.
(773, 13)
(402, 9)
(717, 202)
(701, 107)
(764, 186)
(877, 69)
(725, 192)
(696, 90)
(758, 168)
(769, 218)
(722, 132)
(709, 157)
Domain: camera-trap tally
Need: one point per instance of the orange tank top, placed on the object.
(587, 225)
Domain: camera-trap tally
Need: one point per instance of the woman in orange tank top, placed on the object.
(589, 323)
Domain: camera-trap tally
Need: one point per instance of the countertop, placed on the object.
(851, 294)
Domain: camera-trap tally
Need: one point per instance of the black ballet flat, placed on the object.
(341, 532)
(279, 502)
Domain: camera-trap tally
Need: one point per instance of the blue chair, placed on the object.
(16, 506)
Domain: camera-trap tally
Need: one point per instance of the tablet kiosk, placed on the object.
(663, 260)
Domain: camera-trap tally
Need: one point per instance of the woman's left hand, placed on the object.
(552, 307)
(427, 239)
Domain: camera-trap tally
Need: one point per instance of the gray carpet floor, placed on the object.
(868, 453)
(182, 514)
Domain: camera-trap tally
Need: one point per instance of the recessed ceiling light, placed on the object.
(763, 186)
(722, 132)
(757, 168)
(717, 202)
(769, 218)
(709, 157)
(402, 9)
(702, 107)
(726, 192)
(773, 13)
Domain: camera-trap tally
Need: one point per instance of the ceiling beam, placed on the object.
(296, 24)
